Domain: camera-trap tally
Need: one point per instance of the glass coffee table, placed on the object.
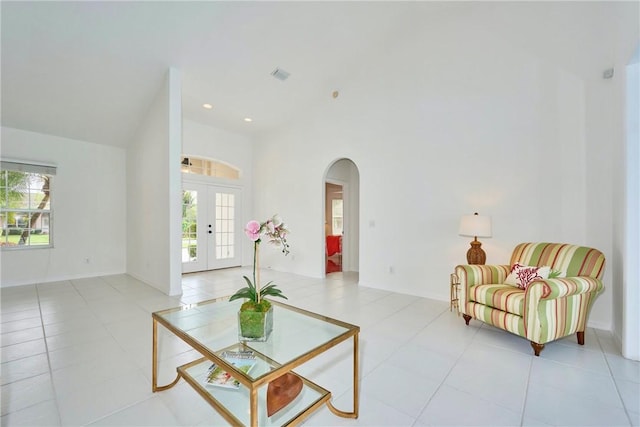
(298, 336)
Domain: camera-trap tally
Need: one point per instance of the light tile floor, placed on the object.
(78, 353)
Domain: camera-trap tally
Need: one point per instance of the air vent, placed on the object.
(280, 74)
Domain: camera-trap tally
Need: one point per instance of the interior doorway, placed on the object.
(334, 221)
(341, 217)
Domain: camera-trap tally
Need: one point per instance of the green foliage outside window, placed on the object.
(25, 213)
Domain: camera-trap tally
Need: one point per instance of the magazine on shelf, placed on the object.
(219, 377)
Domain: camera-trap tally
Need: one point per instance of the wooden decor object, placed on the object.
(475, 254)
(282, 391)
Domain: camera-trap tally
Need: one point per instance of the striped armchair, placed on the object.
(547, 309)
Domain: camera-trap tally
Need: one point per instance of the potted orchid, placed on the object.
(255, 318)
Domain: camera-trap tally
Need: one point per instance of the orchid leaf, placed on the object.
(243, 293)
(249, 284)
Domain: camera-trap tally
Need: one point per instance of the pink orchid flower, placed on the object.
(253, 230)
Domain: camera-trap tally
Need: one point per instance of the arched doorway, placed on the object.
(341, 201)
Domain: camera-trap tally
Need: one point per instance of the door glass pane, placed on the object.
(189, 226)
(224, 225)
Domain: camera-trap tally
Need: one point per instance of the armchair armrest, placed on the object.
(471, 275)
(542, 302)
(566, 286)
(481, 274)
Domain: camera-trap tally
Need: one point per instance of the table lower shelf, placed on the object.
(234, 406)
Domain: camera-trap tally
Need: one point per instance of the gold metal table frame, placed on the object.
(193, 323)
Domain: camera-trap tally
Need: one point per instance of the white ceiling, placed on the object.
(89, 70)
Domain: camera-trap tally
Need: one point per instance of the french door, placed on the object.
(211, 227)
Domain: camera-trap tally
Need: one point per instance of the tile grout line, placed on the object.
(615, 383)
(526, 391)
(115, 411)
(444, 379)
(529, 394)
(46, 348)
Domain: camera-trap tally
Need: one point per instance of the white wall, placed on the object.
(604, 141)
(154, 192)
(619, 132)
(88, 203)
(205, 141)
(628, 325)
(443, 123)
(607, 205)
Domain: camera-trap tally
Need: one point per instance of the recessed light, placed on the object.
(207, 106)
(248, 119)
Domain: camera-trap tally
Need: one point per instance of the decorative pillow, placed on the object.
(522, 275)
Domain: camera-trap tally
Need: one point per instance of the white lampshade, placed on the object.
(475, 226)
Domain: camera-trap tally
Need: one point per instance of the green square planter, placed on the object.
(255, 326)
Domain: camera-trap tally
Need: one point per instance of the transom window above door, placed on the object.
(215, 168)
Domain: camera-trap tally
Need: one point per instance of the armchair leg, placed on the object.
(466, 318)
(580, 335)
(537, 348)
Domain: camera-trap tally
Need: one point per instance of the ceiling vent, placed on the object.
(280, 74)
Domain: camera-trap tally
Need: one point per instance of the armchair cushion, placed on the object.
(506, 298)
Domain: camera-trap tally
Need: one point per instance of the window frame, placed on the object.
(5, 209)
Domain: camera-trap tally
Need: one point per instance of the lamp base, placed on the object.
(475, 254)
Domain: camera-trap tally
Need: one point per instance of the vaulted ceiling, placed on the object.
(89, 70)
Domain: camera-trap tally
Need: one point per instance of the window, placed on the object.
(25, 205)
(206, 167)
(336, 216)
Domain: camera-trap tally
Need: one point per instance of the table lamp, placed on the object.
(475, 226)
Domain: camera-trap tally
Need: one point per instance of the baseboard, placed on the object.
(59, 278)
(604, 326)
